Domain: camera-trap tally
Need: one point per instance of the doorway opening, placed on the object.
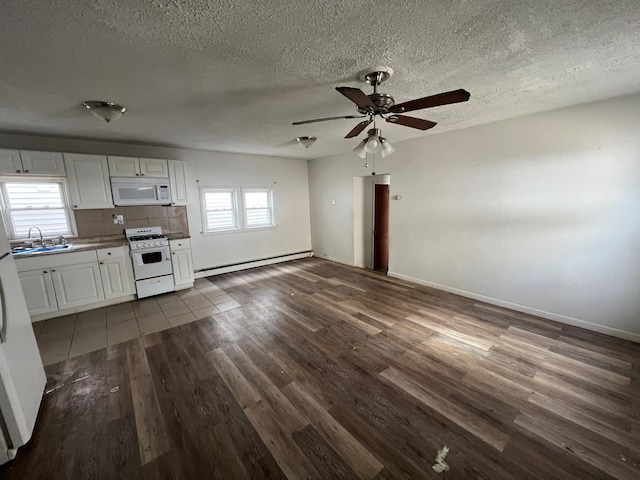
(371, 222)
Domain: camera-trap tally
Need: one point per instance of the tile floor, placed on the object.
(65, 337)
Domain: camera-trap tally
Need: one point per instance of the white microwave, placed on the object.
(140, 191)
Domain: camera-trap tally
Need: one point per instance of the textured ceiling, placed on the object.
(233, 75)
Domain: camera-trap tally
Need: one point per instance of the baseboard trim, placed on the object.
(331, 259)
(236, 267)
(576, 322)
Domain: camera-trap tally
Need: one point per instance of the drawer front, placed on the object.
(55, 260)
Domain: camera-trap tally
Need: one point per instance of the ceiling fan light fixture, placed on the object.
(360, 149)
(306, 142)
(386, 148)
(107, 111)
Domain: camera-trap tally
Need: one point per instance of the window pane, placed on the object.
(258, 208)
(257, 217)
(217, 220)
(39, 204)
(218, 200)
(51, 222)
(34, 195)
(219, 210)
(256, 199)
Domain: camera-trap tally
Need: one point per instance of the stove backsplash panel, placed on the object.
(99, 222)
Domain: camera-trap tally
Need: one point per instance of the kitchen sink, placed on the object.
(33, 250)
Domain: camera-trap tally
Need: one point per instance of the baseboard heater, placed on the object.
(235, 267)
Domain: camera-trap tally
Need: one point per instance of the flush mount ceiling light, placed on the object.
(106, 111)
(306, 142)
(374, 143)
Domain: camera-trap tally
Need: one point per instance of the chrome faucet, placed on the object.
(41, 239)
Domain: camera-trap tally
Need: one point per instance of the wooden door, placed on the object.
(381, 228)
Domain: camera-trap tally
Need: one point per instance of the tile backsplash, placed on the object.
(99, 222)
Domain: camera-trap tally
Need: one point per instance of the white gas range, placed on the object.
(151, 259)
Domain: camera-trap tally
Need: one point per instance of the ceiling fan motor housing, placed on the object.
(382, 101)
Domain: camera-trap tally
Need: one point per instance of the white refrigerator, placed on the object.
(22, 377)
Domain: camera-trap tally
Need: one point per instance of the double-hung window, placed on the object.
(40, 202)
(234, 209)
(219, 209)
(258, 208)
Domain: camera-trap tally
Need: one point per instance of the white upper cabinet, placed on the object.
(124, 166)
(10, 162)
(154, 167)
(88, 177)
(178, 182)
(137, 167)
(27, 162)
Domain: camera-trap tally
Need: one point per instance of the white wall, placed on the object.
(540, 213)
(287, 178)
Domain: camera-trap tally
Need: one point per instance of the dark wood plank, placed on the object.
(329, 371)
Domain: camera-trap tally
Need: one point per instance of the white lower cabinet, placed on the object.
(37, 286)
(77, 285)
(117, 272)
(75, 281)
(182, 263)
(51, 289)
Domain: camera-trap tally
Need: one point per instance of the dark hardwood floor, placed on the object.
(329, 371)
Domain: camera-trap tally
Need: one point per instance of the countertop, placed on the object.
(95, 243)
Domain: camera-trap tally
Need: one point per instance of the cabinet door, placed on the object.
(10, 163)
(117, 272)
(88, 177)
(77, 285)
(38, 290)
(178, 182)
(42, 163)
(182, 268)
(154, 167)
(124, 166)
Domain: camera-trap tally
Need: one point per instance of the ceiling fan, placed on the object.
(384, 105)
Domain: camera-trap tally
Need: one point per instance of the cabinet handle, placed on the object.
(53, 270)
(142, 174)
(75, 206)
(45, 271)
(137, 174)
(102, 263)
(108, 253)
(26, 171)
(18, 171)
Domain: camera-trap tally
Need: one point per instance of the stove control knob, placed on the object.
(139, 245)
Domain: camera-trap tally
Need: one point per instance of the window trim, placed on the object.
(234, 210)
(66, 198)
(240, 210)
(245, 208)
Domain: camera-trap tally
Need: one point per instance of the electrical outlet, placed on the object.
(118, 219)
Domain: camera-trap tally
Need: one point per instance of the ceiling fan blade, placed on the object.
(357, 130)
(357, 96)
(446, 98)
(325, 119)
(412, 122)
